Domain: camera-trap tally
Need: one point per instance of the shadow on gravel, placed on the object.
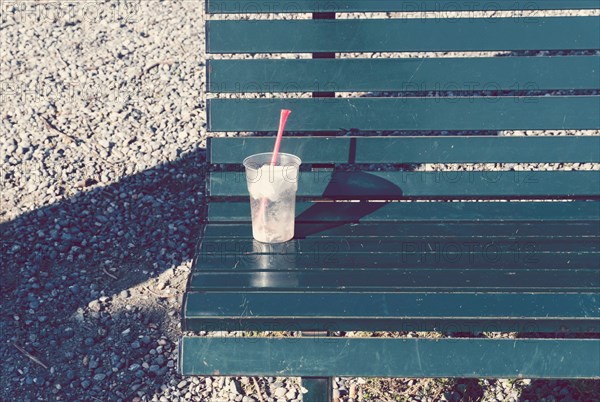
(98, 244)
(560, 390)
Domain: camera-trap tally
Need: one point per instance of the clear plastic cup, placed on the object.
(272, 191)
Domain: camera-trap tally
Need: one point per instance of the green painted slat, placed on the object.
(328, 258)
(373, 324)
(582, 306)
(366, 311)
(433, 246)
(419, 34)
(540, 149)
(308, 149)
(422, 212)
(415, 280)
(461, 184)
(381, 357)
(434, 149)
(426, 74)
(311, 6)
(413, 114)
(419, 230)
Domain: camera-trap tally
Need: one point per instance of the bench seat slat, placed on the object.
(393, 305)
(402, 35)
(428, 74)
(415, 280)
(405, 185)
(291, 6)
(444, 212)
(328, 260)
(381, 357)
(453, 244)
(406, 231)
(434, 149)
(408, 114)
(368, 311)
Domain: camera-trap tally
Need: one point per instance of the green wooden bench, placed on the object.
(401, 257)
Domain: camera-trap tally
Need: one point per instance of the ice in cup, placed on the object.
(272, 191)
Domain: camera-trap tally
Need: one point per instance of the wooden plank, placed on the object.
(429, 74)
(312, 6)
(418, 35)
(412, 114)
(429, 149)
(377, 311)
(415, 280)
(444, 212)
(408, 185)
(420, 230)
(386, 357)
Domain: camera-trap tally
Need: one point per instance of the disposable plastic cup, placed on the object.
(272, 191)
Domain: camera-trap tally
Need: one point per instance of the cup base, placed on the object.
(273, 242)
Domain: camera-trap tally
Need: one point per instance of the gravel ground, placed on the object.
(102, 169)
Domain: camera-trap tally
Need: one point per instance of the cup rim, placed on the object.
(270, 153)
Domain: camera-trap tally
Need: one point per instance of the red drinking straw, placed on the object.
(282, 120)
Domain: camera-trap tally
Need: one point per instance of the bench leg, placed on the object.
(319, 389)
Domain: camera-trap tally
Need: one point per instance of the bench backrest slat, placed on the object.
(403, 35)
(422, 74)
(438, 185)
(288, 6)
(450, 149)
(410, 114)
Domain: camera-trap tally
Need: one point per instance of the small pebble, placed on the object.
(280, 392)
(99, 377)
